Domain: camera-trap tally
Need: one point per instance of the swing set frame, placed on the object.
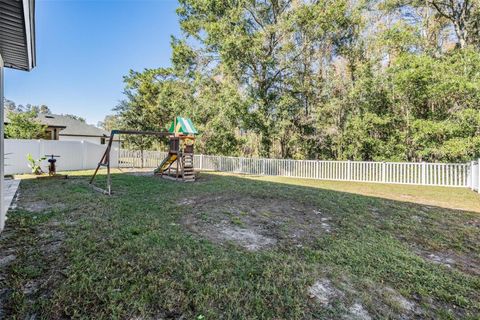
(105, 160)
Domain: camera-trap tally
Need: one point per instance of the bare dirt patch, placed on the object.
(357, 312)
(463, 262)
(137, 171)
(6, 260)
(36, 205)
(246, 238)
(324, 292)
(37, 255)
(148, 173)
(399, 302)
(255, 223)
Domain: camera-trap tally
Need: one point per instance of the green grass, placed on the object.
(130, 255)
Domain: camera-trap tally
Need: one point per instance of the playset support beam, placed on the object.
(181, 129)
(105, 161)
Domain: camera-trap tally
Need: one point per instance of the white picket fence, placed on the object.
(431, 174)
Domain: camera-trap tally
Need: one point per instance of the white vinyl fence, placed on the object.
(432, 174)
(74, 155)
(80, 155)
(475, 176)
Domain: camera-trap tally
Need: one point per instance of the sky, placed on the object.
(85, 47)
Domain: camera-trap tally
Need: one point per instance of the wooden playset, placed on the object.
(178, 165)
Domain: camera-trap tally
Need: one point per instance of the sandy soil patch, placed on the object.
(255, 223)
(399, 302)
(463, 262)
(48, 251)
(36, 205)
(324, 292)
(357, 312)
(6, 260)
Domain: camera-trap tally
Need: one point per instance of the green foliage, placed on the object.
(12, 106)
(75, 117)
(318, 80)
(22, 125)
(110, 122)
(35, 164)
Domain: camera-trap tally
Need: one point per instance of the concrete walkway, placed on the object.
(10, 188)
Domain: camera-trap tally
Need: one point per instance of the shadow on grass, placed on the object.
(131, 254)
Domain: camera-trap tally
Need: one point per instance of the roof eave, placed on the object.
(29, 14)
(19, 53)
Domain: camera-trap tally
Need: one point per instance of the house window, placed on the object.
(102, 140)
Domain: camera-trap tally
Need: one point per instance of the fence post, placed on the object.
(424, 172)
(201, 161)
(41, 149)
(349, 170)
(241, 164)
(478, 178)
(263, 166)
(383, 172)
(84, 155)
(470, 175)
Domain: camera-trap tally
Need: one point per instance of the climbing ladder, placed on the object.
(188, 170)
(180, 168)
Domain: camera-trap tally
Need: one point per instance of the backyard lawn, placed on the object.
(239, 247)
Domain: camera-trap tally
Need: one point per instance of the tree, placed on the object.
(461, 15)
(110, 122)
(327, 79)
(11, 106)
(22, 125)
(72, 116)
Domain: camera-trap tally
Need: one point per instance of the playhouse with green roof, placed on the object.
(178, 164)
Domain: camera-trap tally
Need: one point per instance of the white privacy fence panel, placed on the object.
(74, 155)
(417, 173)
